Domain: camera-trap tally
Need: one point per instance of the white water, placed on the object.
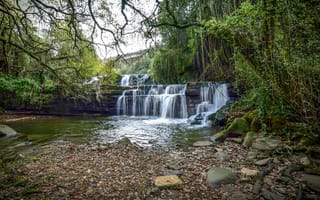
(214, 97)
(134, 79)
(161, 101)
(168, 101)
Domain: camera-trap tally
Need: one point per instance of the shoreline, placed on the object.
(124, 170)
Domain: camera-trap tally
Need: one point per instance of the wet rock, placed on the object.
(124, 141)
(6, 131)
(219, 118)
(217, 176)
(167, 181)
(202, 143)
(266, 144)
(248, 139)
(221, 156)
(312, 181)
(238, 125)
(272, 196)
(249, 172)
(263, 161)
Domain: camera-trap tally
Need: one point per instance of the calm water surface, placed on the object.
(145, 131)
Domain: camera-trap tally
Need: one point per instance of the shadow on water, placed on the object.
(145, 131)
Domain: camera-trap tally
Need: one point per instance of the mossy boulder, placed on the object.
(6, 131)
(220, 136)
(248, 139)
(238, 125)
(253, 120)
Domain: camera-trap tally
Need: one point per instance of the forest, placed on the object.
(268, 50)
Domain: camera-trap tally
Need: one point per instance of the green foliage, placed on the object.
(26, 90)
(276, 58)
(170, 66)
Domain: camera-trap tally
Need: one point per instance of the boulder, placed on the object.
(202, 143)
(220, 136)
(312, 181)
(272, 196)
(263, 161)
(167, 181)
(238, 125)
(305, 161)
(252, 154)
(266, 144)
(219, 118)
(235, 140)
(7, 131)
(221, 156)
(249, 172)
(248, 139)
(217, 176)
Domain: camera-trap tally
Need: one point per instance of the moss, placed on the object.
(248, 139)
(253, 120)
(238, 125)
(220, 136)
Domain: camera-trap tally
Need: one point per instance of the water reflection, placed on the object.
(145, 131)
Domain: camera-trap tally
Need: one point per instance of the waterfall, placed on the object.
(213, 97)
(168, 101)
(134, 79)
(155, 100)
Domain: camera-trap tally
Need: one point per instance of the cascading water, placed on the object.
(168, 101)
(151, 100)
(213, 97)
(134, 79)
(161, 101)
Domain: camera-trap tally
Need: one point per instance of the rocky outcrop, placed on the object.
(6, 131)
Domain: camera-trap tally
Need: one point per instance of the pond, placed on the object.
(145, 131)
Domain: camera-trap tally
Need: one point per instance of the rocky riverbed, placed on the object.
(124, 170)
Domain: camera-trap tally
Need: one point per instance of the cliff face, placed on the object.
(105, 102)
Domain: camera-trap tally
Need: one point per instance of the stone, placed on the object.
(305, 161)
(167, 181)
(248, 139)
(202, 143)
(7, 131)
(266, 144)
(272, 196)
(232, 193)
(221, 156)
(217, 176)
(176, 165)
(219, 118)
(235, 140)
(263, 161)
(124, 141)
(238, 125)
(312, 181)
(220, 136)
(252, 154)
(249, 172)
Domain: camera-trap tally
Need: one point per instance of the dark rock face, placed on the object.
(105, 102)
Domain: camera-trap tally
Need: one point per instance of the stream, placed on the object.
(148, 132)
